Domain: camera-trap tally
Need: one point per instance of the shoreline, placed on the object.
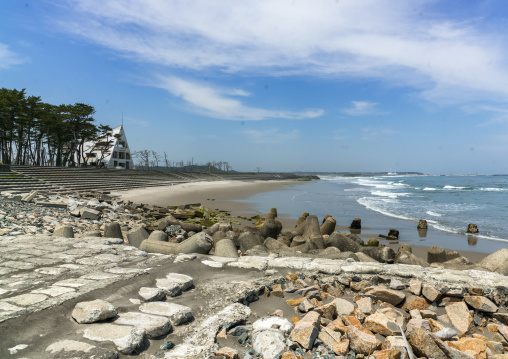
(238, 198)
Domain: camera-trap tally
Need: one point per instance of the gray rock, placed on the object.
(446, 333)
(154, 325)
(281, 324)
(93, 311)
(151, 294)
(178, 314)
(496, 262)
(89, 213)
(75, 349)
(268, 342)
(126, 338)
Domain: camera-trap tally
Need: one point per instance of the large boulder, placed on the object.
(496, 262)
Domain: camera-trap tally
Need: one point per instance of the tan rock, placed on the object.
(329, 337)
(415, 286)
(295, 302)
(306, 330)
(227, 352)
(305, 306)
(459, 316)
(492, 328)
(341, 348)
(503, 330)
(351, 320)
(327, 311)
(502, 317)
(415, 314)
(222, 334)
(435, 326)
(418, 323)
(343, 307)
(394, 342)
(277, 291)
(361, 342)
(414, 302)
(365, 305)
(295, 320)
(387, 354)
(472, 346)
(384, 294)
(481, 303)
(430, 292)
(291, 355)
(424, 345)
(380, 323)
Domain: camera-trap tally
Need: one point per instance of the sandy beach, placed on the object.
(232, 196)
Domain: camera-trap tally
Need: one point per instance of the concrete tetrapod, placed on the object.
(113, 230)
(271, 228)
(199, 243)
(226, 248)
(328, 226)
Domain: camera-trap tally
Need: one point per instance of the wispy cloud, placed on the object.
(361, 108)
(373, 133)
(218, 103)
(8, 58)
(398, 41)
(271, 136)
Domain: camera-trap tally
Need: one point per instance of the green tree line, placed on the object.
(36, 133)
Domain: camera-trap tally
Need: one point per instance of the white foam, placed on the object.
(429, 189)
(453, 187)
(430, 213)
(493, 189)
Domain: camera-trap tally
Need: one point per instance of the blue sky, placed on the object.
(331, 85)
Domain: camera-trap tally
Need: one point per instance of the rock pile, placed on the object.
(330, 317)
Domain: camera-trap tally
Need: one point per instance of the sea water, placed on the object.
(448, 203)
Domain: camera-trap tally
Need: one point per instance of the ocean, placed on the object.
(448, 203)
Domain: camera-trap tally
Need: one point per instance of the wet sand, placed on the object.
(233, 196)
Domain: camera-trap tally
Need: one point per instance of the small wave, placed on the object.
(429, 189)
(453, 187)
(389, 194)
(493, 189)
(435, 214)
(370, 204)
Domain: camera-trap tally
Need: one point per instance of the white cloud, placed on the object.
(271, 136)
(402, 42)
(217, 103)
(8, 58)
(361, 108)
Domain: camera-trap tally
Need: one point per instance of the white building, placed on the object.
(111, 150)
